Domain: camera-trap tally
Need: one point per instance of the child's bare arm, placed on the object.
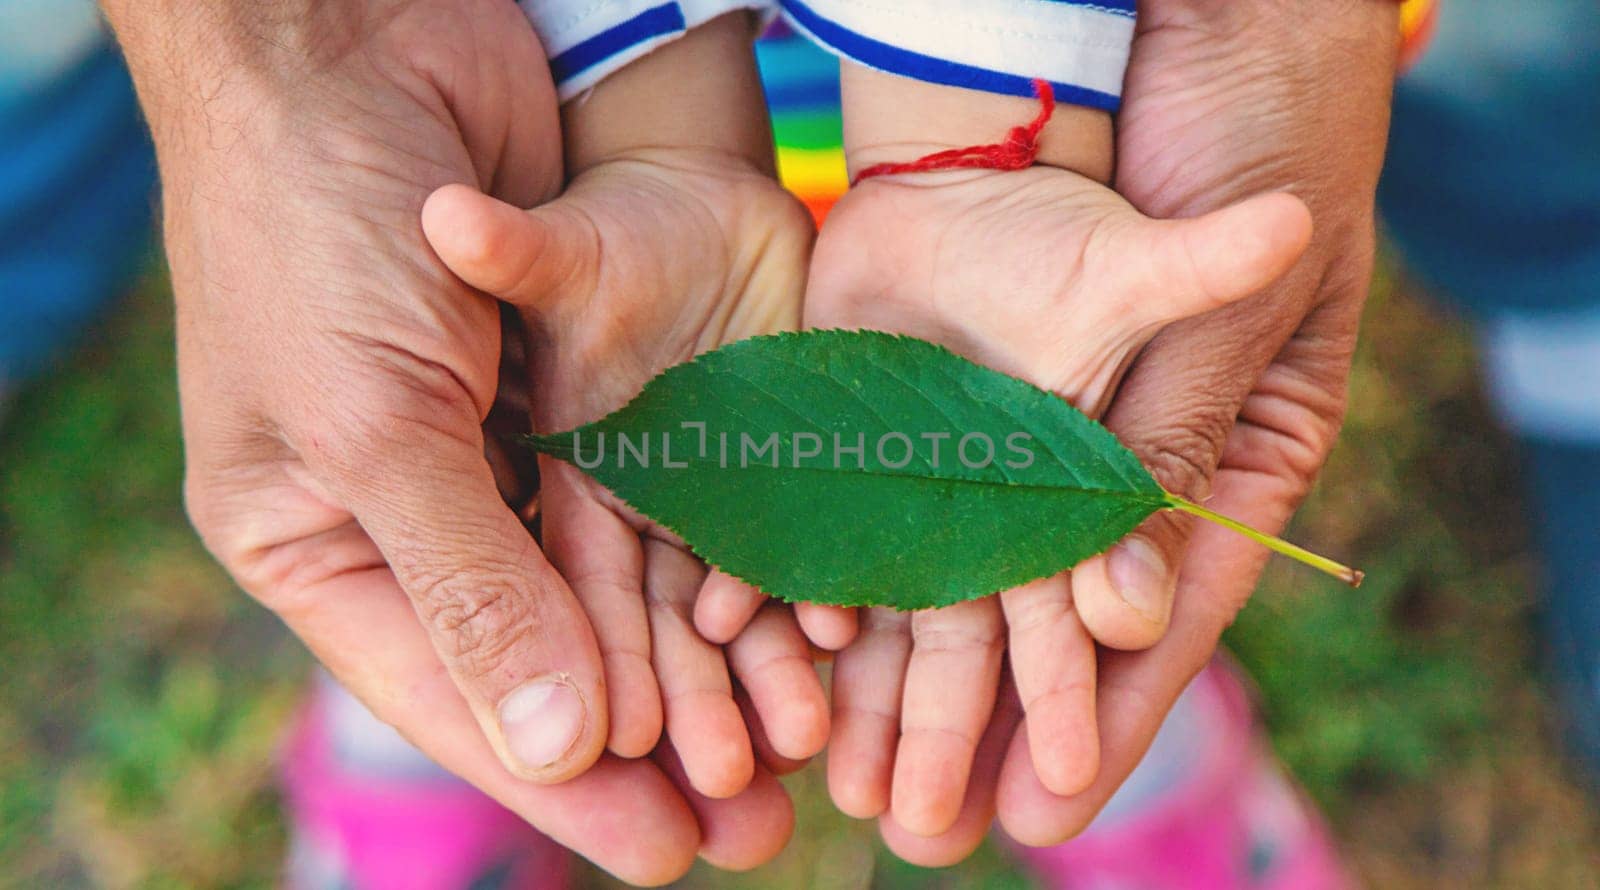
(699, 93)
(889, 118)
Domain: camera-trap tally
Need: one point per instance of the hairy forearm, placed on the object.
(325, 87)
(701, 91)
(1226, 99)
(1237, 16)
(190, 60)
(177, 34)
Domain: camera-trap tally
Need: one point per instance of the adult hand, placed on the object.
(1225, 99)
(334, 377)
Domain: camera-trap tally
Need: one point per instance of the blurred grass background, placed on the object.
(141, 696)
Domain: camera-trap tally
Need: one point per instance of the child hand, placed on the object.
(644, 262)
(1050, 276)
(672, 238)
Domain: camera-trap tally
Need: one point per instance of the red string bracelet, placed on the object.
(1016, 152)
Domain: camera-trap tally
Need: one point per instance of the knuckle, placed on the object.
(476, 624)
(235, 522)
(1184, 458)
(208, 515)
(1302, 452)
(771, 667)
(667, 613)
(937, 735)
(1031, 615)
(1168, 531)
(888, 622)
(200, 504)
(1291, 424)
(965, 637)
(1067, 693)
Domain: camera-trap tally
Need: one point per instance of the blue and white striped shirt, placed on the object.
(999, 46)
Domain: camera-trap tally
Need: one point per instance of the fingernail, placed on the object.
(541, 720)
(1139, 575)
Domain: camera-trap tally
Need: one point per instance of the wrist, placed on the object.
(700, 92)
(888, 118)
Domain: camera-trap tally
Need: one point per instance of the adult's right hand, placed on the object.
(334, 379)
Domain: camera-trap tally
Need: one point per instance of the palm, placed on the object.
(690, 253)
(989, 270)
(645, 261)
(1052, 277)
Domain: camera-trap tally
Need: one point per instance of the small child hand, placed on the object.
(644, 262)
(672, 238)
(1050, 276)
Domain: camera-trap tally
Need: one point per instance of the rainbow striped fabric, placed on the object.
(802, 84)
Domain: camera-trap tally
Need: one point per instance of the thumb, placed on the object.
(505, 625)
(530, 258)
(1176, 405)
(1192, 266)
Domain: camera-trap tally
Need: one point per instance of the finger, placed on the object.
(410, 466)
(526, 257)
(724, 607)
(772, 661)
(1053, 664)
(868, 682)
(1192, 266)
(1138, 689)
(334, 591)
(601, 556)
(977, 809)
(949, 697)
(1174, 410)
(829, 627)
(740, 832)
(766, 755)
(702, 719)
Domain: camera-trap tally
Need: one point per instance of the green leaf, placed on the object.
(862, 468)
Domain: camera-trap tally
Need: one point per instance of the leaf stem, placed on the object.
(1343, 572)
